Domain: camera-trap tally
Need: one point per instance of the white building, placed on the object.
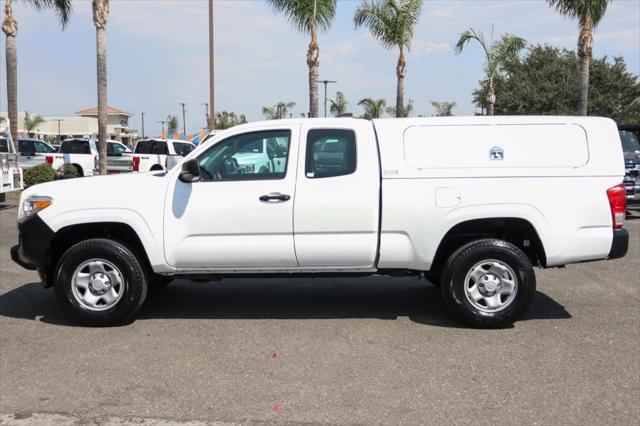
(83, 124)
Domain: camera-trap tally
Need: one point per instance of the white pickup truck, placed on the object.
(159, 154)
(83, 155)
(473, 203)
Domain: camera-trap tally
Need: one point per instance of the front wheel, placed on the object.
(488, 283)
(100, 282)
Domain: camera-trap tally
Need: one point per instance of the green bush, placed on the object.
(39, 174)
(68, 171)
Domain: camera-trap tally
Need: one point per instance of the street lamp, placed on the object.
(325, 82)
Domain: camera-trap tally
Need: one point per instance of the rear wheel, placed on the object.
(100, 282)
(488, 283)
(79, 171)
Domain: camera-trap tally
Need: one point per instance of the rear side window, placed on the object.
(75, 146)
(183, 148)
(152, 147)
(330, 153)
(4, 145)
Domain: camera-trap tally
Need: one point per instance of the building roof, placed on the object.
(93, 112)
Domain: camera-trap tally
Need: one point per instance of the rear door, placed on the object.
(336, 213)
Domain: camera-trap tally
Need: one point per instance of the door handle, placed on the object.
(275, 196)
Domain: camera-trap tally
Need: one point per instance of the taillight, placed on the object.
(95, 163)
(136, 164)
(49, 159)
(618, 204)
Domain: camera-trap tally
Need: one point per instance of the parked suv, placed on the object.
(630, 138)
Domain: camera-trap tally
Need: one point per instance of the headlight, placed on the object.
(33, 205)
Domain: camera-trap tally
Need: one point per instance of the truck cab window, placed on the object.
(251, 156)
(330, 153)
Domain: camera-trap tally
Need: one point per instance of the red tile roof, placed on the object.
(93, 112)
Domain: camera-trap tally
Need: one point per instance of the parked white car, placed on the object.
(83, 155)
(473, 203)
(159, 154)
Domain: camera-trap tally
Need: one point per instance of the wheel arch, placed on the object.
(515, 230)
(121, 232)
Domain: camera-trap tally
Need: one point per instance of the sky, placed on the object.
(158, 56)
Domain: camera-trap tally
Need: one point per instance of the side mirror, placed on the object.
(281, 152)
(190, 171)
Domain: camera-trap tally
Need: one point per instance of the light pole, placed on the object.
(212, 122)
(59, 136)
(325, 82)
(184, 122)
(162, 122)
(143, 125)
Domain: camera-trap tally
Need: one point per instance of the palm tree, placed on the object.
(31, 122)
(373, 108)
(278, 111)
(443, 109)
(172, 124)
(308, 16)
(100, 14)
(225, 120)
(497, 54)
(339, 106)
(10, 29)
(589, 13)
(392, 23)
(406, 111)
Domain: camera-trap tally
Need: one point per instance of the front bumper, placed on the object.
(620, 244)
(34, 240)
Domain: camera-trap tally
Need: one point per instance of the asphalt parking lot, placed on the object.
(345, 351)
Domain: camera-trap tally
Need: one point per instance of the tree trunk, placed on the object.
(401, 69)
(313, 61)
(100, 13)
(585, 53)
(10, 28)
(491, 98)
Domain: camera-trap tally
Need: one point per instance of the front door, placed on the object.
(239, 216)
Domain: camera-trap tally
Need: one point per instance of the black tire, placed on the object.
(463, 260)
(133, 276)
(79, 171)
(155, 168)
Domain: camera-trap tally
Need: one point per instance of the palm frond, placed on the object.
(389, 21)
(300, 12)
(63, 8)
(581, 9)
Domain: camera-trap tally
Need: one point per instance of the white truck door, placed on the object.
(336, 213)
(238, 216)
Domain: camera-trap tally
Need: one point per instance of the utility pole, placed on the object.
(325, 82)
(143, 125)
(59, 137)
(206, 113)
(212, 121)
(184, 122)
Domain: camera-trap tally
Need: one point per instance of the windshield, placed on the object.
(152, 147)
(630, 142)
(183, 148)
(75, 146)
